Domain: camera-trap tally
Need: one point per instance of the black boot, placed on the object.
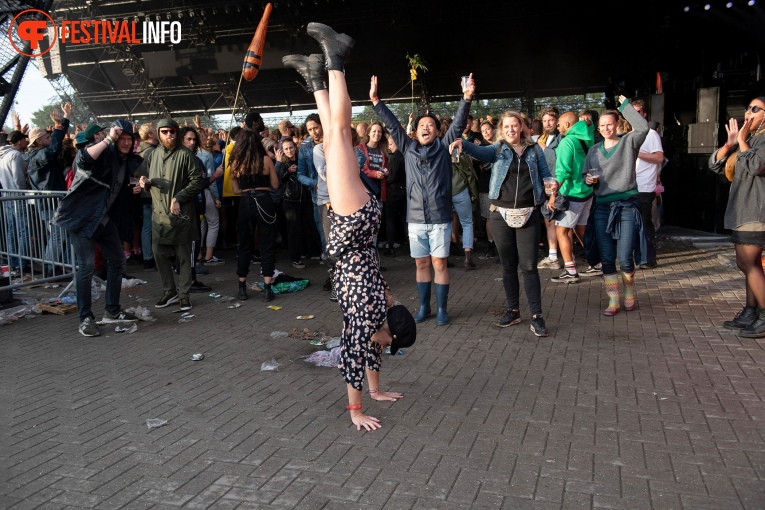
(336, 47)
(242, 291)
(492, 251)
(311, 68)
(268, 292)
(743, 318)
(469, 264)
(757, 328)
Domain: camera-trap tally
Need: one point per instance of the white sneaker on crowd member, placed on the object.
(548, 262)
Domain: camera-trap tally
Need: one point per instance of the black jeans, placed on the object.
(518, 247)
(107, 238)
(281, 222)
(395, 214)
(301, 230)
(646, 205)
(256, 209)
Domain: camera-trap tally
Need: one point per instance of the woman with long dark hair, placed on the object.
(252, 176)
(371, 319)
(298, 205)
(742, 160)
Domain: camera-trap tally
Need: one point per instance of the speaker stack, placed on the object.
(703, 135)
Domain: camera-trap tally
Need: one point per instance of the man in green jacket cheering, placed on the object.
(577, 138)
(174, 180)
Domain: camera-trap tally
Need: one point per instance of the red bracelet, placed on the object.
(353, 407)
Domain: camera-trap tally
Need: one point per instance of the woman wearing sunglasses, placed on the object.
(742, 160)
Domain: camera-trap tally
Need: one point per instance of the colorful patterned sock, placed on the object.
(571, 267)
(629, 291)
(612, 290)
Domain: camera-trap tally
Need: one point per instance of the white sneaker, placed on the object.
(548, 262)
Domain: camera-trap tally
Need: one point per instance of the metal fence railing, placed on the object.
(31, 249)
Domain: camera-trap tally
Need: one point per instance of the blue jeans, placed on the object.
(464, 209)
(621, 241)
(146, 233)
(55, 249)
(108, 240)
(317, 221)
(16, 232)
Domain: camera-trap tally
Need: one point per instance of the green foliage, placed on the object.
(41, 116)
(400, 110)
(573, 103)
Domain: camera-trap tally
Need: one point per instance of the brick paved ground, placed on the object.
(657, 408)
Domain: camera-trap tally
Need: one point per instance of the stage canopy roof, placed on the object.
(514, 49)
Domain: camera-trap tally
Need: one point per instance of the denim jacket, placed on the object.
(501, 156)
(306, 172)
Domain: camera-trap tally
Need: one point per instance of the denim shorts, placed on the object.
(577, 214)
(429, 240)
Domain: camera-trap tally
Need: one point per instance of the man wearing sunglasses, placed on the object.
(174, 180)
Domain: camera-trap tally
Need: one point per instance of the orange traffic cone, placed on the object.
(254, 55)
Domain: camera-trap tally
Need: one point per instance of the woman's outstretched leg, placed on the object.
(322, 104)
(346, 191)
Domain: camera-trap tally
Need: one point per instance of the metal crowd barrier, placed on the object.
(31, 249)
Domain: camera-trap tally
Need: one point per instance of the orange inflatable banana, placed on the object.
(254, 55)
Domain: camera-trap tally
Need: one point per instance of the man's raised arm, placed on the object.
(391, 122)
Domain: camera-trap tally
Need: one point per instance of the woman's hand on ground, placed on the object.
(368, 422)
(387, 396)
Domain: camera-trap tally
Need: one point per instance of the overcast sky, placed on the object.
(35, 91)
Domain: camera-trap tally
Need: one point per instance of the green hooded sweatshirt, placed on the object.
(570, 161)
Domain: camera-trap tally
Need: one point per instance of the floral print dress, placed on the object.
(360, 289)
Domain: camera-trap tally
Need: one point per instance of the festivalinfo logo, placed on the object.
(32, 25)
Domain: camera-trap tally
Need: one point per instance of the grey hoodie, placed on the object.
(13, 168)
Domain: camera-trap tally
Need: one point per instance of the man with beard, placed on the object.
(175, 180)
(92, 211)
(549, 141)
